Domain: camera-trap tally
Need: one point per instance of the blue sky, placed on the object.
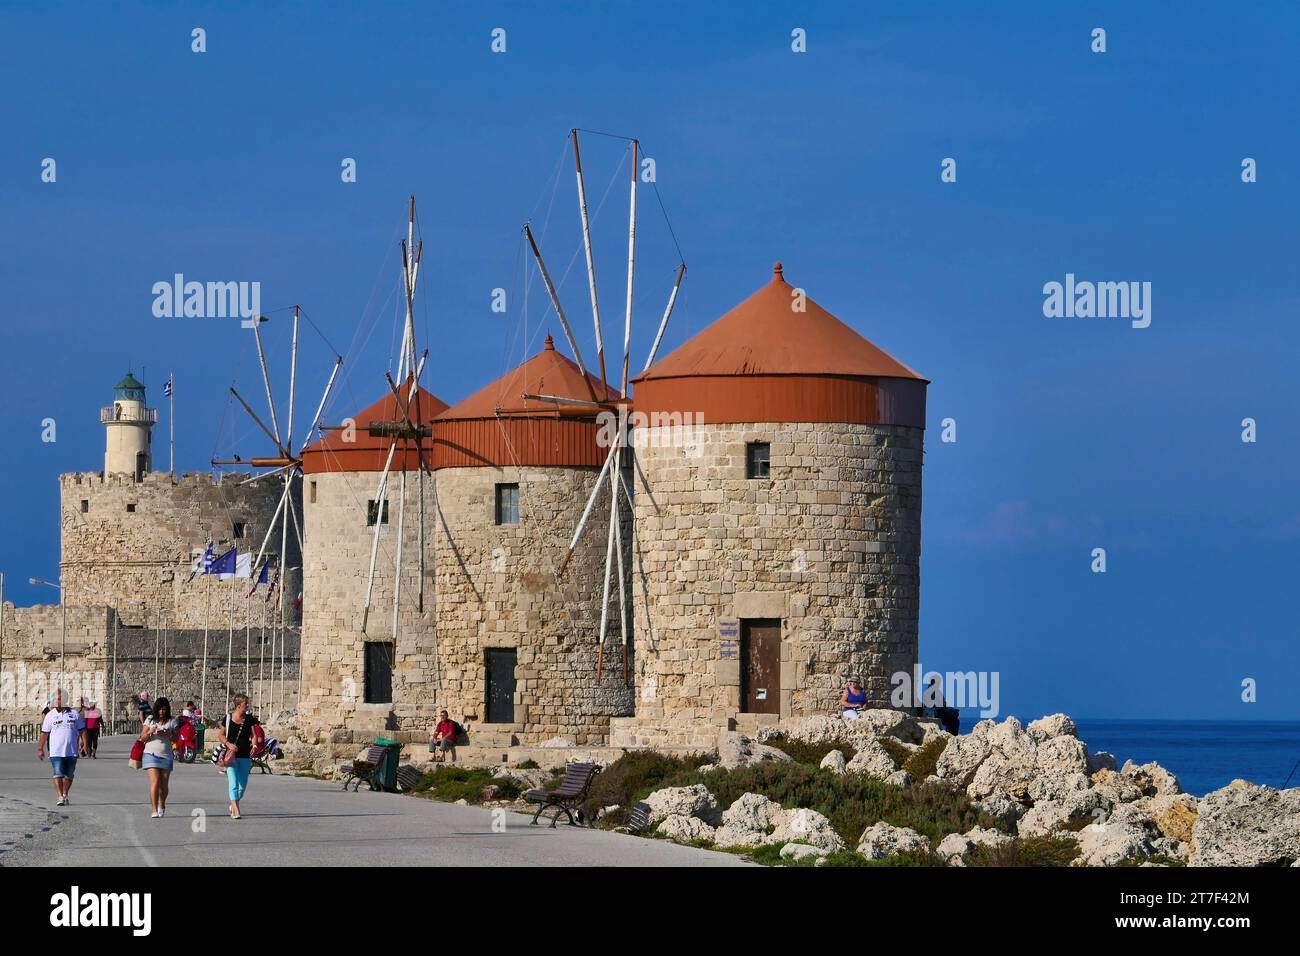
(1072, 433)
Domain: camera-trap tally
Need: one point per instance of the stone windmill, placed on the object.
(613, 411)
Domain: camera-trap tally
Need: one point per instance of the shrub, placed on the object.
(923, 761)
(811, 754)
(463, 783)
(851, 802)
(528, 765)
(631, 777)
(1026, 851)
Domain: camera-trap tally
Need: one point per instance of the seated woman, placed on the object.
(853, 699)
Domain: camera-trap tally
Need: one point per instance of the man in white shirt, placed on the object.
(63, 734)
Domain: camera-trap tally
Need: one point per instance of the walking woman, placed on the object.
(159, 733)
(94, 717)
(238, 730)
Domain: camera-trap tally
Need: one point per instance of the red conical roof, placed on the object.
(331, 452)
(497, 427)
(764, 335)
(781, 357)
(546, 373)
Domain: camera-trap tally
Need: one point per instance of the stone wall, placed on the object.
(498, 587)
(112, 665)
(338, 546)
(830, 545)
(136, 541)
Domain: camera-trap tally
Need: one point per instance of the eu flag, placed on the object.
(223, 564)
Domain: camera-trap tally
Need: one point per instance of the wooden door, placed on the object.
(500, 702)
(760, 666)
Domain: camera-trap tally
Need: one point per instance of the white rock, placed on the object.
(871, 760)
(737, 750)
(684, 829)
(1056, 725)
(899, 778)
(834, 762)
(802, 851)
(806, 826)
(1244, 824)
(753, 811)
(881, 840)
(1112, 842)
(1101, 760)
(1001, 807)
(1153, 779)
(692, 801)
(1057, 785)
(557, 742)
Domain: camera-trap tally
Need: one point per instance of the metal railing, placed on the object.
(117, 413)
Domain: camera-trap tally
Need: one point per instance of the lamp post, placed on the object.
(63, 607)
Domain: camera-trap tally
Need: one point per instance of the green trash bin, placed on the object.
(199, 731)
(392, 756)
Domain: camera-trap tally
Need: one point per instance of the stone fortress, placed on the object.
(129, 537)
(772, 552)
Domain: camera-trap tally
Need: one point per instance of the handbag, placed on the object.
(227, 756)
(137, 754)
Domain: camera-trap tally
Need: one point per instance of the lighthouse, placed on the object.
(129, 426)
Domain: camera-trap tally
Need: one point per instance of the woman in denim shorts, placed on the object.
(159, 733)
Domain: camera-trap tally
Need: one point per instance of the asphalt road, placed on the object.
(288, 821)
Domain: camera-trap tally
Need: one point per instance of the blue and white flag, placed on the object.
(167, 385)
(244, 566)
(224, 566)
(202, 564)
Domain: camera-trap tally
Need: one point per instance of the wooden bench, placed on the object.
(364, 770)
(568, 796)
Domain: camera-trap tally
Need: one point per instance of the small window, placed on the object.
(130, 509)
(85, 505)
(313, 492)
(508, 504)
(238, 528)
(758, 460)
(372, 512)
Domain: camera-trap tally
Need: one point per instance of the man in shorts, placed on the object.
(63, 735)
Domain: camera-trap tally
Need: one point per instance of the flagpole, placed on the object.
(207, 619)
(171, 425)
(248, 637)
(230, 642)
(261, 662)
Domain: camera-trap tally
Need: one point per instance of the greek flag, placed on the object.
(167, 385)
(202, 564)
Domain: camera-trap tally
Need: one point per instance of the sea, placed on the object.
(1203, 754)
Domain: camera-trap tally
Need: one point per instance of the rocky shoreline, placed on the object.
(1038, 780)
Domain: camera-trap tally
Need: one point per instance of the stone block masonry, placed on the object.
(114, 665)
(829, 545)
(499, 587)
(126, 541)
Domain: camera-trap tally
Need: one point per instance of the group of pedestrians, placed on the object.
(68, 733)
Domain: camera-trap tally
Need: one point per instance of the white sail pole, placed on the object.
(380, 493)
(591, 263)
(663, 323)
(293, 382)
(631, 264)
(401, 524)
(270, 528)
(559, 309)
(266, 381)
(329, 386)
(595, 490)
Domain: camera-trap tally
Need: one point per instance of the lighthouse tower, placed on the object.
(129, 425)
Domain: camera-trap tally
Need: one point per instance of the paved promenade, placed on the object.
(288, 821)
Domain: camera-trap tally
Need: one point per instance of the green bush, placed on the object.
(528, 765)
(923, 761)
(811, 754)
(631, 777)
(1027, 851)
(463, 783)
(851, 802)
